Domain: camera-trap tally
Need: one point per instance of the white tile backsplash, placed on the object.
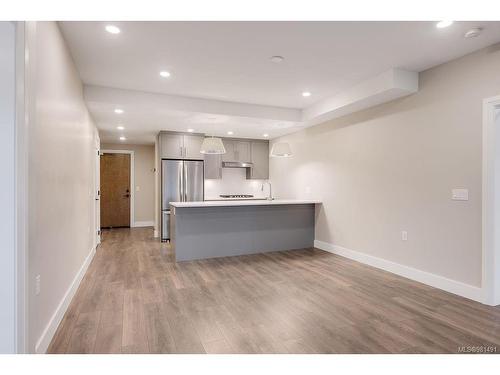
(234, 182)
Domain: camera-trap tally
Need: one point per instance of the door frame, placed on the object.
(132, 180)
(24, 116)
(490, 245)
(97, 191)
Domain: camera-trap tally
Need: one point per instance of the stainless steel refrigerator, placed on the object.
(181, 181)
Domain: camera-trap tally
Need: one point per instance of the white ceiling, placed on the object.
(229, 61)
(146, 114)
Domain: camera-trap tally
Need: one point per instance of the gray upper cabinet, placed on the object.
(242, 151)
(180, 146)
(192, 147)
(236, 150)
(260, 159)
(229, 146)
(213, 166)
(188, 146)
(171, 146)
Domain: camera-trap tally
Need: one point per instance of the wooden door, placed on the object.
(115, 190)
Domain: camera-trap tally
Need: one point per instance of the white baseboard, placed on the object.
(156, 233)
(138, 224)
(436, 281)
(49, 331)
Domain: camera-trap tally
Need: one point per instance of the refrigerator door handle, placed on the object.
(181, 184)
(185, 182)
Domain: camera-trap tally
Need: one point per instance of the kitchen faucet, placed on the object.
(270, 197)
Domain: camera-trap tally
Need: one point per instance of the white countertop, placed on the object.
(254, 202)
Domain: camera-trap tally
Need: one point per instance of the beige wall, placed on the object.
(144, 156)
(392, 168)
(61, 177)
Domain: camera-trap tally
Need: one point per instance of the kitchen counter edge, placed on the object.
(232, 203)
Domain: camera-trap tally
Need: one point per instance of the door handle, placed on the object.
(184, 181)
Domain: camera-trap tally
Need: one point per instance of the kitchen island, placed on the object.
(212, 229)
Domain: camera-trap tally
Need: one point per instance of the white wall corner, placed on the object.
(490, 201)
(456, 287)
(51, 328)
(391, 84)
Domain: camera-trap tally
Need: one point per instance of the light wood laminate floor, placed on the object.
(134, 298)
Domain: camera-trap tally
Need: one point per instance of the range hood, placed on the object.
(236, 164)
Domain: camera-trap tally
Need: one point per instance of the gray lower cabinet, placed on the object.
(180, 146)
(260, 159)
(211, 232)
(213, 166)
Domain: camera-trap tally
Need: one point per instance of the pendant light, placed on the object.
(212, 145)
(281, 150)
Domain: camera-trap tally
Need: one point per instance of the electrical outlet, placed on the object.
(37, 284)
(404, 235)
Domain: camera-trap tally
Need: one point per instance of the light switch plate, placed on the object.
(460, 194)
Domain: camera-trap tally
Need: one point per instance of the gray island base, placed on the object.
(201, 230)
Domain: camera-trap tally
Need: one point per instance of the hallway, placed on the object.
(135, 299)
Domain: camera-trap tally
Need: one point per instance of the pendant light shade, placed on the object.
(212, 145)
(281, 150)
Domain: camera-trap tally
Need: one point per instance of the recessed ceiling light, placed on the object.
(306, 94)
(443, 24)
(190, 130)
(119, 111)
(120, 127)
(265, 135)
(472, 33)
(276, 59)
(230, 133)
(112, 29)
(122, 138)
(165, 74)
